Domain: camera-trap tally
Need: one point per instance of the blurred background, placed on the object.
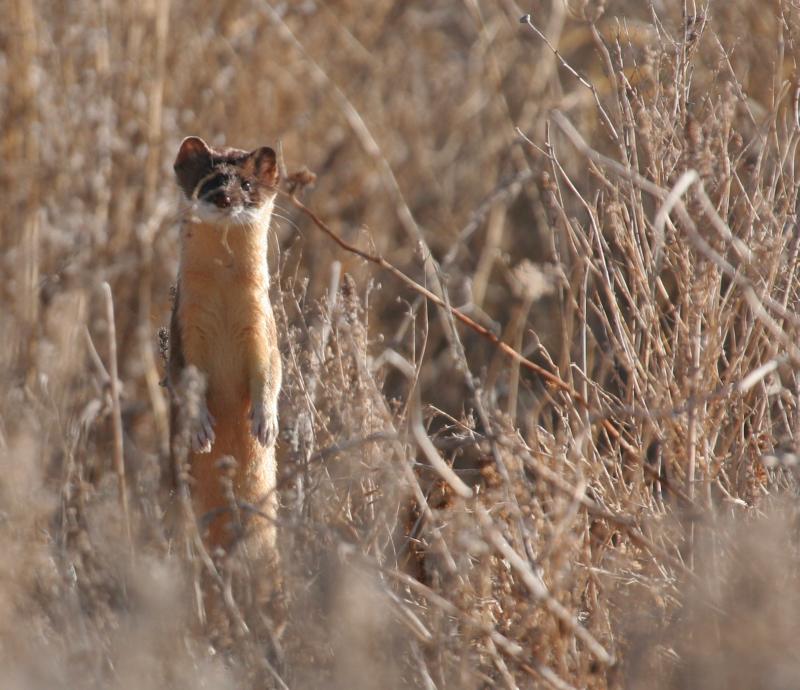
(429, 126)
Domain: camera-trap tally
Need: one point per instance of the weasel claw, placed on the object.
(264, 424)
(202, 436)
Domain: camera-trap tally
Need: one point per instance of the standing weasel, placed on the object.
(222, 324)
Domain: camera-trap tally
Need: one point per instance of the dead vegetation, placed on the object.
(540, 432)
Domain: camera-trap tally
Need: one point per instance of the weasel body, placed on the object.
(222, 324)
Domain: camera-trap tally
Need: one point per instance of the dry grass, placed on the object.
(623, 214)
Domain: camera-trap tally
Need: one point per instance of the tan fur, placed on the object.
(228, 332)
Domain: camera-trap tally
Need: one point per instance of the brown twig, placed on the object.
(507, 646)
(116, 413)
(553, 379)
(526, 19)
(538, 589)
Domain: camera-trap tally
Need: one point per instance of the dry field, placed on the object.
(545, 435)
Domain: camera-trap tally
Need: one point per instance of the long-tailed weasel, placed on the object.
(222, 324)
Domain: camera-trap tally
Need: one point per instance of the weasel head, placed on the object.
(227, 186)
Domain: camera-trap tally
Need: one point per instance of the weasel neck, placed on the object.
(235, 250)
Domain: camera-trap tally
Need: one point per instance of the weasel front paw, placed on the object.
(264, 423)
(202, 436)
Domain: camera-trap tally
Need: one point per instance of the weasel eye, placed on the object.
(245, 186)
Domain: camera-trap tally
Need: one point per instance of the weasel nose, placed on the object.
(222, 200)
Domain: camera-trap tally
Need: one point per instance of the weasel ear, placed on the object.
(266, 166)
(192, 163)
